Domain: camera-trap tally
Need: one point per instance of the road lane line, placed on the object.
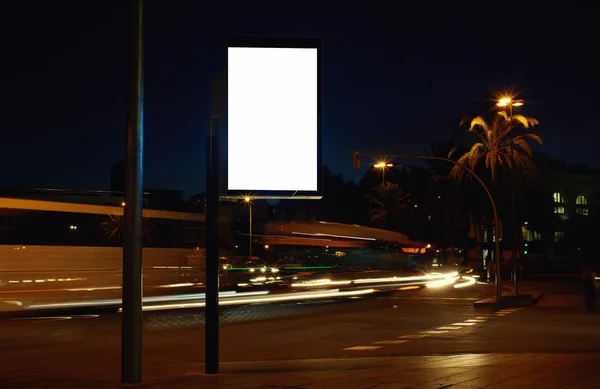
(416, 336)
(448, 328)
(362, 348)
(463, 324)
(475, 321)
(433, 332)
(391, 341)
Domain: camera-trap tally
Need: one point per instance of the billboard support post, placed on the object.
(263, 154)
(212, 250)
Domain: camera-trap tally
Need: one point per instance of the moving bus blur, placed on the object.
(51, 245)
(343, 246)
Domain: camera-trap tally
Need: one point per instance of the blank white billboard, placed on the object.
(272, 115)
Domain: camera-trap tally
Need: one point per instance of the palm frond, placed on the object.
(464, 120)
(522, 143)
(503, 114)
(534, 137)
(525, 121)
(478, 122)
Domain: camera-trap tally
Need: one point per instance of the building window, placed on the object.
(581, 206)
(559, 203)
(530, 235)
(558, 236)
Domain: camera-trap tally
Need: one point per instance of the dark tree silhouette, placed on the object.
(388, 202)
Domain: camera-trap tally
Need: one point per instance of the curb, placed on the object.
(530, 300)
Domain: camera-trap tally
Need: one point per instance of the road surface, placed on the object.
(409, 322)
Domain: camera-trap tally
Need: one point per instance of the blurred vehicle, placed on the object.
(48, 245)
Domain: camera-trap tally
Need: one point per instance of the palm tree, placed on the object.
(388, 202)
(497, 146)
(439, 148)
(114, 225)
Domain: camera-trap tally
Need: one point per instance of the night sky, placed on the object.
(393, 78)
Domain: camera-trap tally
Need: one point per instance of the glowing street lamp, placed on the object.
(509, 102)
(382, 165)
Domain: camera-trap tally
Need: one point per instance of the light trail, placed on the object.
(265, 299)
(116, 302)
(470, 281)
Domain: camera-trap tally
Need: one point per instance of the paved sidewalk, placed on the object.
(536, 371)
(528, 296)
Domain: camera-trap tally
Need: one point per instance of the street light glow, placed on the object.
(503, 102)
(247, 199)
(506, 101)
(382, 165)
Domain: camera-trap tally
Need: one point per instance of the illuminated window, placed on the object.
(530, 235)
(558, 236)
(581, 206)
(559, 203)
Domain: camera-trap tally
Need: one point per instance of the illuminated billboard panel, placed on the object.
(273, 118)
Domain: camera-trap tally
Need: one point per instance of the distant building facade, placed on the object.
(572, 195)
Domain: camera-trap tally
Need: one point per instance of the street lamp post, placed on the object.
(382, 166)
(248, 201)
(132, 289)
(509, 102)
(357, 156)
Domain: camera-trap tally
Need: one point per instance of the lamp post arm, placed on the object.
(487, 191)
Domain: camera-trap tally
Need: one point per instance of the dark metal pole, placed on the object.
(211, 357)
(131, 325)
(514, 212)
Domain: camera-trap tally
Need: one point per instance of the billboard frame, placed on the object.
(222, 113)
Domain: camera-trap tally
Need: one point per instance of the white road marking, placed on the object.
(359, 348)
(391, 341)
(439, 330)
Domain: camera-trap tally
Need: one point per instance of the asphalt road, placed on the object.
(410, 322)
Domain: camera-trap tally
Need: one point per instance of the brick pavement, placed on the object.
(536, 371)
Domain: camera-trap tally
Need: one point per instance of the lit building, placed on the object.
(565, 201)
